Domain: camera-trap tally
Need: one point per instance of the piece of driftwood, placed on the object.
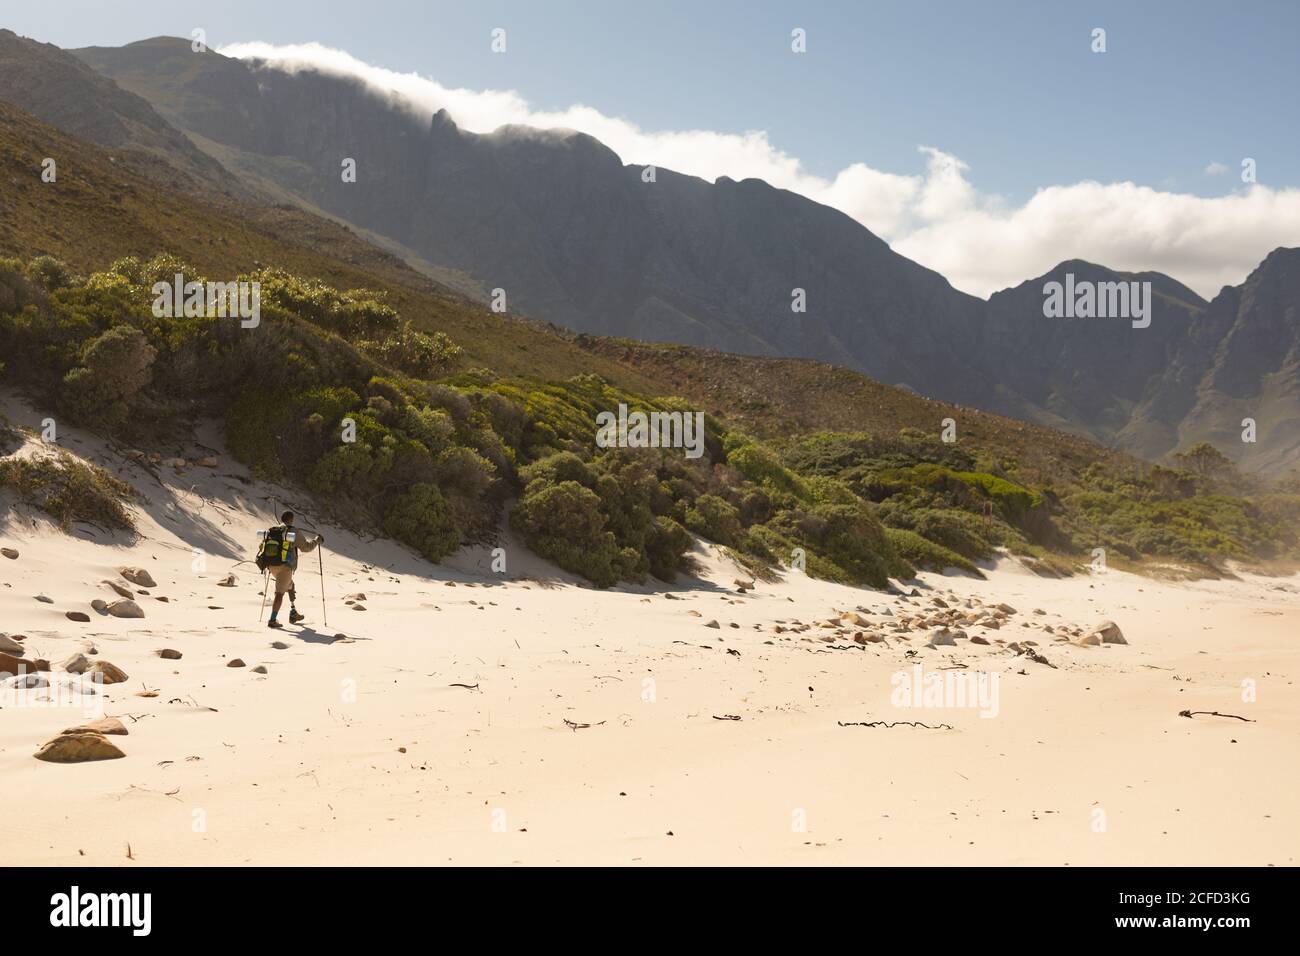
(1212, 713)
(898, 723)
(575, 725)
(466, 686)
(727, 717)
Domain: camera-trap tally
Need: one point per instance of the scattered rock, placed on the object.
(139, 577)
(1090, 640)
(229, 581)
(743, 585)
(9, 553)
(209, 461)
(712, 624)
(979, 639)
(27, 682)
(121, 591)
(259, 669)
(169, 654)
(1109, 633)
(359, 596)
(9, 646)
(15, 665)
(236, 663)
(106, 673)
(280, 645)
(79, 616)
(44, 599)
(79, 747)
(99, 605)
(941, 637)
(105, 725)
(76, 664)
(125, 608)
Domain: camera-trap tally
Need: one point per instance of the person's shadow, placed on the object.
(313, 636)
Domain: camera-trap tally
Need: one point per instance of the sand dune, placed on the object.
(467, 716)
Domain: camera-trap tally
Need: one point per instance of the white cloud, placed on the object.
(935, 216)
(1215, 169)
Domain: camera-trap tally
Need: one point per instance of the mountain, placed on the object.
(574, 236)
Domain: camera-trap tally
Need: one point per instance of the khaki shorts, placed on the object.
(283, 575)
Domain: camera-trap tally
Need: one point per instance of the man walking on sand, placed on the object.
(280, 553)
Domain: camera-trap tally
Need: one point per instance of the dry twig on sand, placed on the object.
(1212, 713)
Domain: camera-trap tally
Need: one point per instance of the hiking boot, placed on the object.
(274, 623)
(295, 617)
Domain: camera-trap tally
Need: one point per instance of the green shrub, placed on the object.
(422, 519)
(69, 490)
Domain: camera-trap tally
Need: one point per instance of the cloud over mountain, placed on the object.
(935, 215)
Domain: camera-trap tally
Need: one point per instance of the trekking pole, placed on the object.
(266, 581)
(320, 558)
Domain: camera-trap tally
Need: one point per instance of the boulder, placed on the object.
(121, 591)
(9, 646)
(105, 725)
(940, 637)
(79, 747)
(99, 605)
(14, 665)
(80, 616)
(712, 624)
(76, 664)
(125, 608)
(105, 673)
(978, 639)
(1109, 633)
(1090, 640)
(9, 553)
(168, 654)
(27, 682)
(45, 599)
(139, 577)
(236, 662)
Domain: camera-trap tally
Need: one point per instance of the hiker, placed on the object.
(279, 555)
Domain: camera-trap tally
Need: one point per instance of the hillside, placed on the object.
(576, 237)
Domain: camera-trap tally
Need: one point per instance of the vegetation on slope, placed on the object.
(335, 390)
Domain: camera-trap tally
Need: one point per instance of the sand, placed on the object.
(590, 732)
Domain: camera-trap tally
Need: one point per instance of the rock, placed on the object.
(125, 608)
(27, 682)
(359, 596)
(712, 624)
(9, 646)
(694, 613)
(105, 673)
(15, 665)
(9, 553)
(121, 591)
(358, 607)
(208, 461)
(940, 637)
(169, 654)
(229, 581)
(80, 616)
(280, 645)
(76, 664)
(105, 725)
(236, 662)
(1090, 640)
(79, 747)
(139, 577)
(1109, 633)
(174, 463)
(44, 599)
(743, 585)
(1005, 608)
(978, 639)
(100, 605)
(259, 669)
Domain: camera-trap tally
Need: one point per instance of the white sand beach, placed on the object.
(596, 725)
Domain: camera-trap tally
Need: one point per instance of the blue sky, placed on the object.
(966, 134)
